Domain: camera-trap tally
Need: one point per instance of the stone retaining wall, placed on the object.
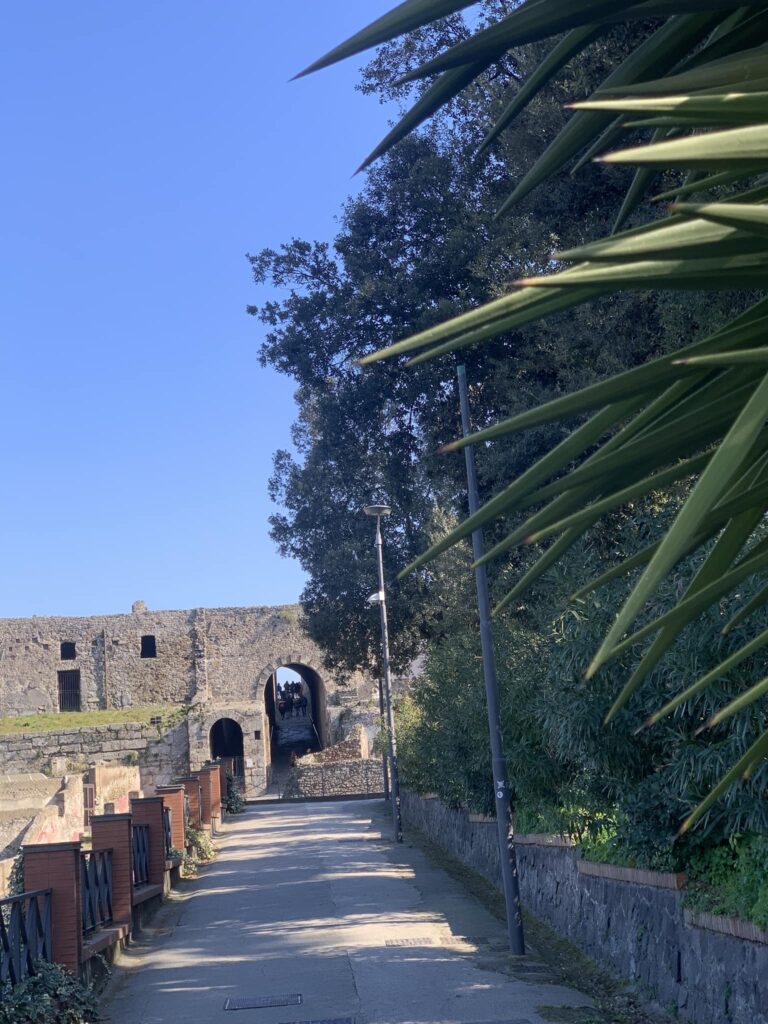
(639, 931)
(162, 754)
(340, 778)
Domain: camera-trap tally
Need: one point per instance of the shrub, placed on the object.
(731, 880)
(200, 844)
(50, 996)
(233, 801)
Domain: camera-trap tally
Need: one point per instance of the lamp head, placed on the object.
(377, 510)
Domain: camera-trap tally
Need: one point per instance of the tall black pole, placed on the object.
(394, 782)
(507, 856)
(383, 724)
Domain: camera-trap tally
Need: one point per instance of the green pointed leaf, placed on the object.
(571, 447)
(403, 18)
(752, 694)
(550, 556)
(658, 372)
(719, 560)
(713, 481)
(574, 42)
(659, 52)
(749, 357)
(736, 148)
(691, 607)
(436, 96)
(757, 752)
(760, 598)
(725, 666)
(745, 217)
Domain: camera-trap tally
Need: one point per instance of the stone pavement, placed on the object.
(314, 900)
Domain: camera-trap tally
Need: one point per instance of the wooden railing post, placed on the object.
(56, 866)
(148, 811)
(113, 831)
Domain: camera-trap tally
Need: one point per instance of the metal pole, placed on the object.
(394, 783)
(507, 856)
(383, 723)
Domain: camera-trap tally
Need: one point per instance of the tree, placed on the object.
(418, 244)
(695, 86)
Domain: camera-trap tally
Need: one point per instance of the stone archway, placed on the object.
(226, 739)
(298, 726)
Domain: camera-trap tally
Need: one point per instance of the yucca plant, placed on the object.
(695, 88)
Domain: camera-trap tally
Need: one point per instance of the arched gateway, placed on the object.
(296, 708)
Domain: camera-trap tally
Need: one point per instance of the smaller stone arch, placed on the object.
(226, 739)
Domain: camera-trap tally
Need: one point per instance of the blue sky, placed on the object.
(148, 147)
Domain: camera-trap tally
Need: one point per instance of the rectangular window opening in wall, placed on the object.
(148, 646)
(69, 690)
(68, 650)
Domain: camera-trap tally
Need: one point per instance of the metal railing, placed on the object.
(96, 888)
(140, 850)
(25, 934)
(168, 831)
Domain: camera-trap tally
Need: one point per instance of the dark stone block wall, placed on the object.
(638, 931)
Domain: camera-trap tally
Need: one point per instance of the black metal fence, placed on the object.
(25, 934)
(140, 845)
(168, 831)
(96, 888)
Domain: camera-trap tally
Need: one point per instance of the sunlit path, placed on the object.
(309, 900)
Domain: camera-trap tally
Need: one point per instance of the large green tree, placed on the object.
(418, 244)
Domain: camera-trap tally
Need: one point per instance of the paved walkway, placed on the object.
(309, 899)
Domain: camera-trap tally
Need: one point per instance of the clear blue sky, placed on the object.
(147, 148)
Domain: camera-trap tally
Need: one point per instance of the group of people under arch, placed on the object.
(292, 702)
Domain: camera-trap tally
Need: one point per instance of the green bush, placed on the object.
(200, 844)
(731, 880)
(50, 996)
(233, 801)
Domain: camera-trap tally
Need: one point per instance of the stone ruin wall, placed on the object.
(219, 655)
(217, 661)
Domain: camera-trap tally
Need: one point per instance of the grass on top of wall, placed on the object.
(52, 721)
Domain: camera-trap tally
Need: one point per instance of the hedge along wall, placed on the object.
(639, 931)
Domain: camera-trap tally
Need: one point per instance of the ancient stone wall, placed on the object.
(161, 754)
(338, 778)
(223, 655)
(640, 931)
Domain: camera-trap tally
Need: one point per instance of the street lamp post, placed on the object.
(380, 598)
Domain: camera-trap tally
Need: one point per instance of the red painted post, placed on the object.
(173, 797)
(222, 785)
(215, 775)
(56, 866)
(148, 810)
(192, 789)
(206, 793)
(113, 832)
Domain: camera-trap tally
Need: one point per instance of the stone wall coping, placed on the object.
(542, 839)
(112, 817)
(733, 926)
(638, 876)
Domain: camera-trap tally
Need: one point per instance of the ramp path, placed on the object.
(315, 900)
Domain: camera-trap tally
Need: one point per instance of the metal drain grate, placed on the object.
(261, 1002)
(410, 942)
